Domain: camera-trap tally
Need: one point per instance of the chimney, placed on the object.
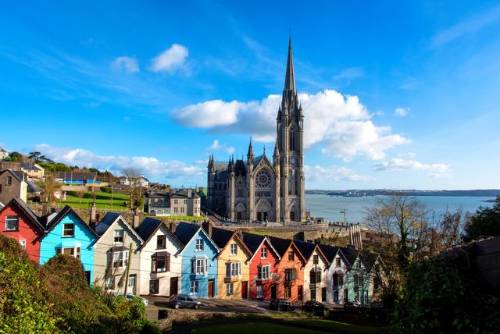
(207, 226)
(189, 192)
(136, 218)
(93, 215)
(172, 226)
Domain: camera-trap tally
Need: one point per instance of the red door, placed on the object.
(244, 289)
(210, 288)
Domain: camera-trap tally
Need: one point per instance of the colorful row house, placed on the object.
(165, 259)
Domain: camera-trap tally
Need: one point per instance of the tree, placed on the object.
(38, 157)
(15, 156)
(50, 186)
(484, 223)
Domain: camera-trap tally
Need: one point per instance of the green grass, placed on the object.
(252, 328)
(107, 201)
(181, 218)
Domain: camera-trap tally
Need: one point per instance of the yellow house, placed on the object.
(232, 264)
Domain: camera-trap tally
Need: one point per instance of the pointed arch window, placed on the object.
(293, 140)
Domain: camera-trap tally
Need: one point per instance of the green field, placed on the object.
(104, 201)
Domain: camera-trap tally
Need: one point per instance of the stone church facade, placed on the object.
(265, 188)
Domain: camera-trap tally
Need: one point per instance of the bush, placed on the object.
(443, 296)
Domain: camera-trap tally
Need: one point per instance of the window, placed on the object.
(260, 291)
(199, 266)
(290, 274)
(199, 244)
(161, 242)
(154, 286)
(160, 262)
(288, 292)
(233, 269)
(71, 251)
(131, 281)
(229, 289)
(337, 262)
(118, 237)
(315, 259)
(291, 256)
(315, 276)
(110, 283)
(120, 259)
(22, 243)
(263, 253)
(9, 180)
(234, 249)
(263, 272)
(194, 287)
(12, 223)
(68, 230)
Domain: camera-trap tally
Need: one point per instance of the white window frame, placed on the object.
(264, 272)
(229, 289)
(64, 231)
(200, 245)
(263, 253)
(10, 219)
(260, 291)
(118, 233)
(200, 266)
(74, 251)
(120, 259)
(194, 287)
(234, 249)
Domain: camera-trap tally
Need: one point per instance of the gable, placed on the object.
(82, 230)
(200, 234)
(120, 224)
(241, 246)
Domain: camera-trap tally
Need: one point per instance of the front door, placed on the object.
(174, 285)
(300, 293)
(313, 292)
(87, 277)
(132, 283)
(273, 291)
(292, 215)
(244, 289)
(323, 294)
(210, 288)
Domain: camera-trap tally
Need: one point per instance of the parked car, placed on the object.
(183, 301)
(142, 299)
(314, 307)
(281, 305)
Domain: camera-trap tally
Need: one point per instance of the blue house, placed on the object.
(66, 233)
(199, 261)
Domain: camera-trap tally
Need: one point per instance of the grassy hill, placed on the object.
(104, 200)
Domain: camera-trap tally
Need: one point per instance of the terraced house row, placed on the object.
(156, 258)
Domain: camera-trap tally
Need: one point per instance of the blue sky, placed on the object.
(396, 94)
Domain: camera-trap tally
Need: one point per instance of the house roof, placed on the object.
(329, 251)
(32, 217)
(350, 254)
(148, 227)
(51, 223)
(17, 174)
(254, 241)
(281, 245)
(308, 248)
(186, 231)
(108, 220)
(221, 238)
(33, 188)
(369, 259)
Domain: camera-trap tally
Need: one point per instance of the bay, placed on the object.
(331, 207)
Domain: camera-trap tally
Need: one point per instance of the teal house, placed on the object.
(199, 261)
(66, 233)
(358, 278)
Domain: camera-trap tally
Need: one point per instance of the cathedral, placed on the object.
(261, 188)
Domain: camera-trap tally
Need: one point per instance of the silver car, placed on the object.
(184, 301)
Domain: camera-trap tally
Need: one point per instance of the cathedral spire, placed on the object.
(250, 151)
(290, 73)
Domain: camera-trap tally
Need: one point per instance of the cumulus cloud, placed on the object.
(171, 59)
(328, 174)
(401, 111)
(404, 164)
(150, 166)
(125, 64)
(340, 123)
(217, 146)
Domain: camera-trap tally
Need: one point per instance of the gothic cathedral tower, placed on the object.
(290, 148)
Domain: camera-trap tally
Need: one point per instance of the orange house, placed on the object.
(290, 270)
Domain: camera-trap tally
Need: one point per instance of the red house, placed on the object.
(20, 223)
(263, 276)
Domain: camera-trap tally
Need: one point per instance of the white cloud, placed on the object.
(401, 111)
(403, 164)
(171, 59)
(329, 174)
(217, 146)
(349, 74)
(340, 123)
(126, 64)
(150, 166)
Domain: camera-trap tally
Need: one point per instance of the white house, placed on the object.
(336, 276)
(315, 271)
(160, 262)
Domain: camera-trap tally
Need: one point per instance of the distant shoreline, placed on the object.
(388, 192)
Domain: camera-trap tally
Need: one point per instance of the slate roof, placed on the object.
(221, 236)
(252, 241)
(306, 248)
(148, 227)
(329, 251)
(350, 254)
(368, 259)
(240, 168)
(17, 174)
(186, 231)
(281, 245)
(106, 222)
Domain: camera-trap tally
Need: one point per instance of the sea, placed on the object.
(354, 209)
